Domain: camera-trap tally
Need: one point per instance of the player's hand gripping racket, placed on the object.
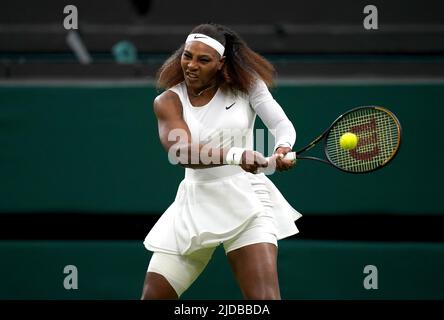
(378, 133)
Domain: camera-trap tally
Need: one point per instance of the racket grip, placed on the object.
(268, 171)
(290, 156)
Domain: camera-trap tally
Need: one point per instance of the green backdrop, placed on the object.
(307, 270)
(96, 149)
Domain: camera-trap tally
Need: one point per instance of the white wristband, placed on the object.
(234, 156)
(282, 144)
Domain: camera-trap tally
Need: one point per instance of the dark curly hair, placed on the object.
(242, 65)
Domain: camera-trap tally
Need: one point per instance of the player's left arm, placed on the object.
(274, 117)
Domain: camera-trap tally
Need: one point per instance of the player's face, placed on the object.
(200, 64)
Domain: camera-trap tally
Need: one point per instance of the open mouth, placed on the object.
(192, 76)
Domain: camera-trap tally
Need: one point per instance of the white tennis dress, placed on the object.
(215, 204)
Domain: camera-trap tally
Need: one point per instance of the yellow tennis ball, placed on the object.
(348, 141)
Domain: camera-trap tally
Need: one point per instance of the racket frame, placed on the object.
(324, 137)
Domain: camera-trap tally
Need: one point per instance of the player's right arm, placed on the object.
(175, 137)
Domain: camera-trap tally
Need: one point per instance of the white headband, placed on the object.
(213, 43)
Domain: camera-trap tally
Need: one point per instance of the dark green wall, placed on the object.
(307, 270)
(95, 148)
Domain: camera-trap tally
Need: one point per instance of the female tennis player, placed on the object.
(215, 86)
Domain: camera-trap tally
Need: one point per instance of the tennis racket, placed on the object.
(379, 138)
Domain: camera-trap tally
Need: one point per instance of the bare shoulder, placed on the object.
(167, 104)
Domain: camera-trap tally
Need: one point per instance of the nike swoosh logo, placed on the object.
(197, 37)
(226, 108)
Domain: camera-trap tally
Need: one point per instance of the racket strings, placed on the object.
(368, 154)
(378, 140)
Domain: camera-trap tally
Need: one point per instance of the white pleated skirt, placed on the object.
(214, 205)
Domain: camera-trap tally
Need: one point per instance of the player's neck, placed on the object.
(208, 90)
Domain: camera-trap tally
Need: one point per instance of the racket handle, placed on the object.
(290, 156)
(268, 171)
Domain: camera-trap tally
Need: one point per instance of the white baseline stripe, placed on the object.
(349, 81)
(79, 83)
